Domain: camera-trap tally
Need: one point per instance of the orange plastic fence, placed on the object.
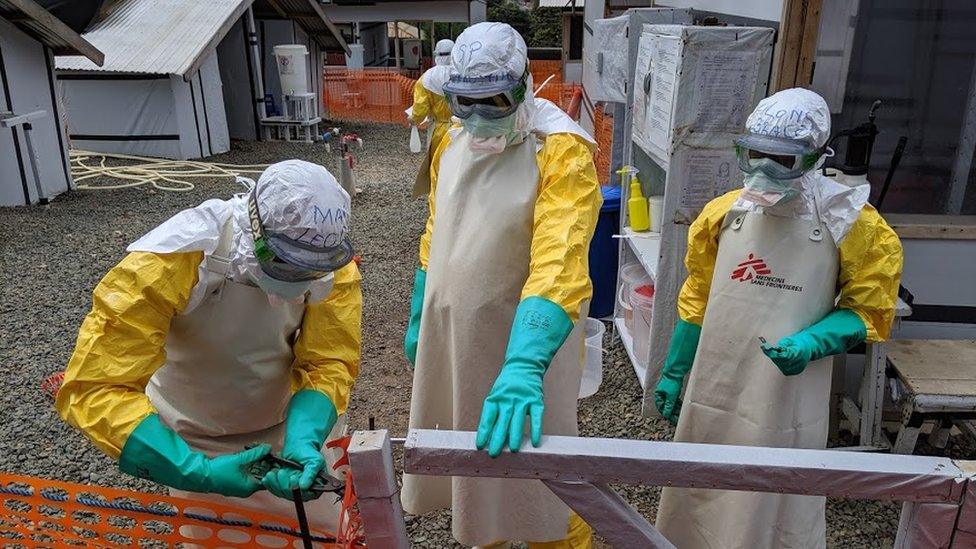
(382, 94)
(603, 133)
(45, 513)
(369, 95)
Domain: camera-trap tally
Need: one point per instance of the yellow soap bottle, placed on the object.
(637, 207)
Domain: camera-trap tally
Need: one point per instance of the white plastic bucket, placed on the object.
(292, 69)
(631, 275)
(593, 365)
(643, 308)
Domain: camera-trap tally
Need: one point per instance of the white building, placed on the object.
(30, 114)
(183, 77)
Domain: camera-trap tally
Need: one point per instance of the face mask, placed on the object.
(767, 191)
(484, 128)
(281, 292)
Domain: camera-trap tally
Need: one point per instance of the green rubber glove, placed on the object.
(311, 416)
(416, 307)
(539, 329)
(155, 452)
(837, 332)
(681, 355)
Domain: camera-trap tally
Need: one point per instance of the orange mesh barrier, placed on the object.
(382, 94)
(45, 513)
(544, 69)
(603, 133)
(370, 95)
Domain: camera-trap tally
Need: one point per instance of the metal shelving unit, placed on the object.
(681, 144)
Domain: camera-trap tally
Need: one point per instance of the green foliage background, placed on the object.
(541, 27)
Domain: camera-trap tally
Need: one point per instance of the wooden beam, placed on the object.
(688, 465)
(796, 44)
(55, 26)
(607, 513)
(371, 460)
(215, 39)
(328, 23)
(281, 13)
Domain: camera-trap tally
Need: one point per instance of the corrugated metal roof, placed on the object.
(30, 17)
(157, 36)
(310, 16)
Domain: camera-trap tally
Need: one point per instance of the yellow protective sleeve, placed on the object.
(328, 348)
(700, 259)
(870, 273)
(120, 345)
(868, 279)
(566, 213)
(435, 162)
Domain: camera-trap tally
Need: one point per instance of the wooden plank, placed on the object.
(935, 366)
(808, 46)
(796, 44)
(715, 466)
(55, 26)
(933, 227)
(606, 512)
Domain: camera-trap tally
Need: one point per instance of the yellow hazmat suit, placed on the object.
(121, 344)
(430, 104)
(566, 207)
(870, 267)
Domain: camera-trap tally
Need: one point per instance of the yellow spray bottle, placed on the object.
(636, 203)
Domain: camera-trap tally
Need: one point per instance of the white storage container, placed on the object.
(593, 365)
(292, 68)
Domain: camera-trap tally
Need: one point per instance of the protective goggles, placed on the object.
(775, 157)
(290, 260)
(490, 97)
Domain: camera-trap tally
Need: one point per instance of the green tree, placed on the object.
(507, 11)
(547, 28)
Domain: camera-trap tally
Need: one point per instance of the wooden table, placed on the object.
(938, 378)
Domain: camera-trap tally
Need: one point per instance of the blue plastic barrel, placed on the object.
(604, 254)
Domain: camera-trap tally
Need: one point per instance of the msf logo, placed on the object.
(750, 268)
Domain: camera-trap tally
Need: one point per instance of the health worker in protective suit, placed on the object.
(233, 323)
(495, 329)
(430, 105)
(807, 265)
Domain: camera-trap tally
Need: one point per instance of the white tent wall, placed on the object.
(149, 115)
(235, 73)
(210, 113)
(28, 85)
(119, 113)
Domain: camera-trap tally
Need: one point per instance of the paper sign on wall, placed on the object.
(725, 83)
(709, 173)
(664, 82)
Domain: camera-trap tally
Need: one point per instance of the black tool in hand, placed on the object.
(324, 482)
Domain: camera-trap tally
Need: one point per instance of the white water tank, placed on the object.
(292, 68)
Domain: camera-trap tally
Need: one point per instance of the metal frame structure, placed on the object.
(938, 494)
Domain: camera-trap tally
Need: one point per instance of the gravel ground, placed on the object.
(52, 256)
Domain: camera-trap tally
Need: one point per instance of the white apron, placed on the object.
(479, 261)
(774, 276)
(227, 381)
